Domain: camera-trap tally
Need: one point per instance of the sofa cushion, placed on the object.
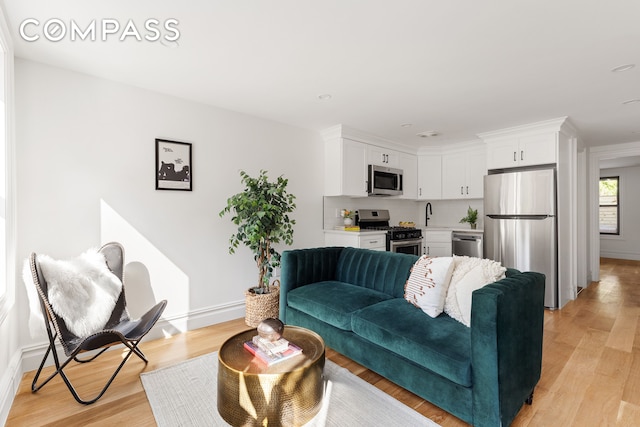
(378, 270)
(442, 344)
(332, 301)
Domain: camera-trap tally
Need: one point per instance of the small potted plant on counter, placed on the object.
(348, 217)
(471, 218)
(261, 212)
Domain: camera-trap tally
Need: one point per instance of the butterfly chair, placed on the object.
(120, 329)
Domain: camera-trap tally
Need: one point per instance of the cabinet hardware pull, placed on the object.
(462, 189)
(421, 191)
(428, 250)
(467, 189)
(514, 156)
(521, 154)
(373, 241)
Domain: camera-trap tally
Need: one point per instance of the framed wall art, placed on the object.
(173, 165)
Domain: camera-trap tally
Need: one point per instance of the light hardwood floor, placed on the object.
(590, 372)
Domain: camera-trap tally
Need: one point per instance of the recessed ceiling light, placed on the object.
(427, 134)
(324, 96)
(622, 68)
(406, 125)
(631, 101)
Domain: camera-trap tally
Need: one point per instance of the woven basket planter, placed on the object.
(261, 306)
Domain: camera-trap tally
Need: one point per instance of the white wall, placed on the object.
(85, 154)
(627, 244)
(10, 352)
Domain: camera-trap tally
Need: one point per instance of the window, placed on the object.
(610, 205)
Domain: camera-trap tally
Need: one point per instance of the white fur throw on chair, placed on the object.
(82, 291)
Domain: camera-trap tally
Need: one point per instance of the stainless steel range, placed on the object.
(407, 240)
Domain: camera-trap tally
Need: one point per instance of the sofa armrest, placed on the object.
(301, 267)
(507, 320)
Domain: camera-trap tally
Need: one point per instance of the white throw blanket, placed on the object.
(82, 291)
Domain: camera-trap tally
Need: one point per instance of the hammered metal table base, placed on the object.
(288, 393)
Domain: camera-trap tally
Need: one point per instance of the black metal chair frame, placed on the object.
(120, 329)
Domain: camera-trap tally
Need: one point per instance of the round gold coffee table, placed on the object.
(287, 393)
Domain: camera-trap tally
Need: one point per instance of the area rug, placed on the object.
(186, 394)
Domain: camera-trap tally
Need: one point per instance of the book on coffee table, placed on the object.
(271, 347)
(269, 359)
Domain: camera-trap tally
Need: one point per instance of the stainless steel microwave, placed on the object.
(384, 181)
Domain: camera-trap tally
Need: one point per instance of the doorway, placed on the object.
(598, 155)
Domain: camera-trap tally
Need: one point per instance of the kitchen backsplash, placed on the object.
(446, 213)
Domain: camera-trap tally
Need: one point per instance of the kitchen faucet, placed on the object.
(427, 211)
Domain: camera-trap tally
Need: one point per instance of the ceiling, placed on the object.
(620, 162)
(455, 67)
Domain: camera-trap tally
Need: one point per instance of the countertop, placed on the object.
(452, 228)
(356, 233)
(424, 229)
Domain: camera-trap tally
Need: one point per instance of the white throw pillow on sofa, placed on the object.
(427, 285)
(468, 275)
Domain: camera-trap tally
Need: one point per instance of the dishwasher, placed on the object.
(467, 243)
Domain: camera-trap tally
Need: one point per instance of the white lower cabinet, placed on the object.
(366, 240)
(437, 243)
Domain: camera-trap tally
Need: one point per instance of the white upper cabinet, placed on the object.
(463, 174)
(538, 149)
(409, 165)
(345, 168)
(526, 150)
(347, 156)
(383, 157)
(429, 177)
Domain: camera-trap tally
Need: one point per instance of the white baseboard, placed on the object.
(620, 255)
(29, 358)
(9, 383)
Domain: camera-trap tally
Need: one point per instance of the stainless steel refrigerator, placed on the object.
(521, 224)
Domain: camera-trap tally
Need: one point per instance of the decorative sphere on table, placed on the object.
(271, 329)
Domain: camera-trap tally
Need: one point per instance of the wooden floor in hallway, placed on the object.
(590, 372)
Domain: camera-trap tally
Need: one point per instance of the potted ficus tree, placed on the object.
(261, 212)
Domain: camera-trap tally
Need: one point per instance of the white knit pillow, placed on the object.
(469, 274)
(82, 291)
(427, 285)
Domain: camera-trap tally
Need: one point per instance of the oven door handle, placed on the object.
(406, 242)
(419, 239)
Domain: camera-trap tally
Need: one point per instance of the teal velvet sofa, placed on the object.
(354, 298)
